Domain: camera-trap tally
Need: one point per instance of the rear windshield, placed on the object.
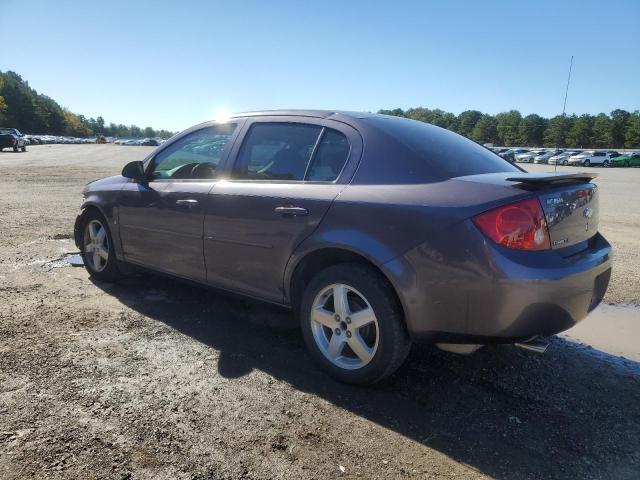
(439, 154)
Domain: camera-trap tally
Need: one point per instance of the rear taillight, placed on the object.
(519, 225)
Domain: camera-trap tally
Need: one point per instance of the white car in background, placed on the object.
(546, 155)
(562, 158)
(590, 157)
(528, 157)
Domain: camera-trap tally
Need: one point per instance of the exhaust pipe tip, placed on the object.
(534, 345)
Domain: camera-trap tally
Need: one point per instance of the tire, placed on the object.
(626, 164)
(605, 164)
(382, 340)
(15, 148)
(586, 163)
(565, 163)
(100, 266)
(23, 148)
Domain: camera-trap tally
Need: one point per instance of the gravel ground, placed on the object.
(152, 378)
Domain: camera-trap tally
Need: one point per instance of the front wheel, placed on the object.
(605, 163)
(353, 325)
(565, 163)
(97, 248)
(586, 163)
(15, 148)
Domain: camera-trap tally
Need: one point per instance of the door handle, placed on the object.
(291, 210)
(188, 202)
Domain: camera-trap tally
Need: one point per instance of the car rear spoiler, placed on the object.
(552, 178)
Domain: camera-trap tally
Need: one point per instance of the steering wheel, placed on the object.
(203, 170)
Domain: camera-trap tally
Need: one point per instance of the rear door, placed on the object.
(161, 220)
(282, 179)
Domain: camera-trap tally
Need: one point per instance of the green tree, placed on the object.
(632, 133)
(532, 130)
(602, 131)
(581, 132)
(467, 121)
(508, 125)
(619, 121)
(485, 130)
(556, 132)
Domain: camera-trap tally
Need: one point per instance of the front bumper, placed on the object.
(480, 292)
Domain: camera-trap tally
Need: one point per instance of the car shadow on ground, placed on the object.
(570, 413)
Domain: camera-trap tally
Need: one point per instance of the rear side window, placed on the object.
(330, 157)
(436, 154)
(291, 152)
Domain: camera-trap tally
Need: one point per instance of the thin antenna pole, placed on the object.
(564, 105)
(566, 92)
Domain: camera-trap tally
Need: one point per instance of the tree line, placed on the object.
(27, 110)
(620, 129)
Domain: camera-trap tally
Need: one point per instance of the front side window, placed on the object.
(195, 156)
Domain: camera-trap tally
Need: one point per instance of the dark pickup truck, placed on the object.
(12, 138)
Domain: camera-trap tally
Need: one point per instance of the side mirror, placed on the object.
(134, 170)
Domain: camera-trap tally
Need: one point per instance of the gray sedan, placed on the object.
(377, 231)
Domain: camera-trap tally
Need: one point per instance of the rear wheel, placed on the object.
(586, 163)
(605, 163)
(565, 163)
(97, 248)
(353, 325)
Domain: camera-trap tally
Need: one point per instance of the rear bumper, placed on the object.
(485, 293)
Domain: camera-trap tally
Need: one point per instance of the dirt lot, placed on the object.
(151, 378)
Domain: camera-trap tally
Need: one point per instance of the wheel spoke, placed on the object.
(361, 318)
(360, 348)
(101, 235)
(93, 232)
(103, 253)
(336, 344)
(323, 317)
(96, 260)
(341, 301)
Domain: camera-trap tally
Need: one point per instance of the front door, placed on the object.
(161, 221)
(280, 188)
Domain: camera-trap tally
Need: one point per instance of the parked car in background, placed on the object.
(528, 156)
(505, 153)
(448, 244)
(12, 138)
(626, 160)
(517, 151)
(546, 155)
(590, 157)
(562, 158)
(150, 142)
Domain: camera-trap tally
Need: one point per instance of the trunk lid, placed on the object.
(569, 202)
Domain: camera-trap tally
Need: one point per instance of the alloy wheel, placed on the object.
(96, 245)
(344, 326)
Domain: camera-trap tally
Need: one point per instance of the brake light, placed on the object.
(519, 225)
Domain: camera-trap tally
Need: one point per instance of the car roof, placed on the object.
(304, 113)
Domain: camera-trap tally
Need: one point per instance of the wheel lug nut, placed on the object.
(348, 334)
(337, 331)
(337, 317)
(348, 319)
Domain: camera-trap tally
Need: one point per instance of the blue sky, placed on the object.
(173, 64)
